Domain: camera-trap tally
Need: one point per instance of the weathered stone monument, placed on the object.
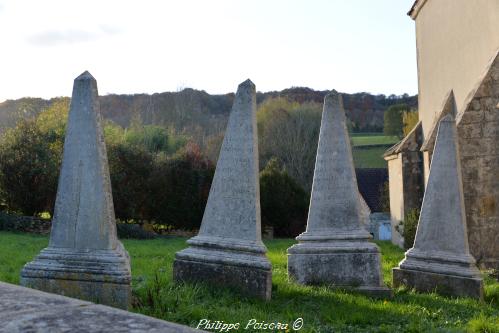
(335, 247)
(84, 258)
(440, 259)
(228, 250)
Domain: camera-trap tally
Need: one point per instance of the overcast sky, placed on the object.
(155, 46)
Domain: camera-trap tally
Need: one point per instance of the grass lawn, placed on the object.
(368, 139)
(369, 157)
(322, 309)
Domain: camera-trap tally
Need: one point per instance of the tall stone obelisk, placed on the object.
(440, 259)
(335, 248)
(84, 258)
(228, 250)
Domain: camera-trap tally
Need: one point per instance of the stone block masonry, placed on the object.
(478, 132)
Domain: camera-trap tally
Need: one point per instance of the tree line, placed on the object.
(163, 175)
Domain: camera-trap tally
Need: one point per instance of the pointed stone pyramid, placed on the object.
(84, 258)
(228, 249)
(335, 247)
(448, 107)
(440, 259)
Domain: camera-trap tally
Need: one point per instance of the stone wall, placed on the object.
(478, 129)
(412, 171)
(405, 168)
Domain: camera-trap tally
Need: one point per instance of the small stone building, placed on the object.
(458, 52)
(406, 187)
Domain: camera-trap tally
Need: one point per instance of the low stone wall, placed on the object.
(28, 310)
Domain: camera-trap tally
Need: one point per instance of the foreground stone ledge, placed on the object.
(28, 310)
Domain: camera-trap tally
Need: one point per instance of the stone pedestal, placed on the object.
(343, 264)
(84, 258)
(335, 249)
(217, 261)
(449, 285)
(228, 251)
(440, 259)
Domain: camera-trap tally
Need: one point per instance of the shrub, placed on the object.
(410, 225)
(132, 230)
(130, 169)
(284, 203)
(179, 188)
(155, 175)
(12, 222)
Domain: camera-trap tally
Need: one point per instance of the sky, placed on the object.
(155, 46)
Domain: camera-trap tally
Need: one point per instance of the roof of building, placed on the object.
(370, 182)
(405, 143)
(416, 7)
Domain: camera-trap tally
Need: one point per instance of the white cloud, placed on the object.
(70, 36)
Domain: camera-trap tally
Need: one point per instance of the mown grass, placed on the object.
(369, 139)
(369, 157)
(368, 149)
(322, 309)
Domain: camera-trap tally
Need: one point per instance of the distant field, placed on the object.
(364, 155)
(371, 157)
(368, 139)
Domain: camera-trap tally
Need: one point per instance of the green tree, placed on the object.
(410, 119)
(289, 132)
(393, 124)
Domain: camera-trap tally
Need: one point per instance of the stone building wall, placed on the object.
(455, 39)
(478, 130)
(406, 185)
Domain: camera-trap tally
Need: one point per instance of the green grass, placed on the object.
(371, 157)
(368, 149)
(367, 139)
(322, 309)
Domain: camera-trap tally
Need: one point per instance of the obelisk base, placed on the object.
(445, 273)
(99, 276)
(247, 271)
(447, 285)
(339, 264)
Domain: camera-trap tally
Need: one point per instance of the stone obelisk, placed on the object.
(440, 259)
(84, 258)
(335, 249)
(228, 250)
